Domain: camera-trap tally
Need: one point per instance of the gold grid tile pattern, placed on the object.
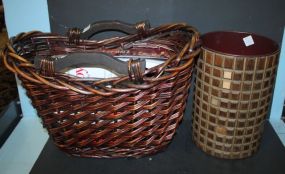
(231, 102)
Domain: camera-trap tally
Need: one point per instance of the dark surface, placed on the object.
(182, 156)
(9, 118)
(259, 16)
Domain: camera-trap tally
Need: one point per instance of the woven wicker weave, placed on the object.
(232, 97)
(8, 88)
(114, 117)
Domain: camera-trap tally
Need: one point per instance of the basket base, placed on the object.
(225, 155)
(115, 152)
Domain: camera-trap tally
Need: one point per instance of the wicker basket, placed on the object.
(8, 88)
(233, 92)
(131, 115)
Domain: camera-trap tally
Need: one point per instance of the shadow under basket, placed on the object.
(233, 90)
(131, 115)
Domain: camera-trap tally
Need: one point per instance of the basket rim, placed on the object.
(25, 68)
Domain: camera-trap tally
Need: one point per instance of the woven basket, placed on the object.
(130, 115)
(233, 91)
(8, 88)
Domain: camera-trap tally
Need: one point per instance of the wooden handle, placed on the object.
(74, 60)
(113, 25)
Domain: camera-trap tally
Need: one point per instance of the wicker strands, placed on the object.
(130, 115)
(8, 88)
(233, 92)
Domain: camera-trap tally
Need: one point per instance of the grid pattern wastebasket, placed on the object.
(233, 91)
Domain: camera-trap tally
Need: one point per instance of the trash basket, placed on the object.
(233, 89)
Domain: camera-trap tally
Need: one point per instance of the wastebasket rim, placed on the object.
(231, 43)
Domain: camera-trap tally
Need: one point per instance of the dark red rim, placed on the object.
(231, 43)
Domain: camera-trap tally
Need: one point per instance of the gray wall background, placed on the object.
(264, 17)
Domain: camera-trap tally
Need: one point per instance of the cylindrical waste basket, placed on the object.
(233, 89)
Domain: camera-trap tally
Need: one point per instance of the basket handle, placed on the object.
(134, 68)
(112, 25)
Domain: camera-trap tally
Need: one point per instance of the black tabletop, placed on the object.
(181, 156)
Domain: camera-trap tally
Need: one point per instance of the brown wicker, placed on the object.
(233, 93)
(8, 88)
(125, 116)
